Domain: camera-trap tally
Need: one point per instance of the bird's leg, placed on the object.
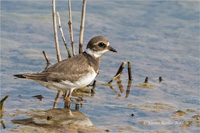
(67, 100)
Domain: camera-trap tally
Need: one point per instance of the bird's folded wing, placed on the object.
(70, 69)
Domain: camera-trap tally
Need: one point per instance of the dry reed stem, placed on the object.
(55, 30)
(118, 72)
(70, 28)
(129, 71)
(121, 68)
(57, 45)
(62, 34)
(82, 27)
(114, 78)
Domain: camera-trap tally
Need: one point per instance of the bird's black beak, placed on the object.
(112, 49)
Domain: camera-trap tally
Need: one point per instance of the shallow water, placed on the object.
(159, 38)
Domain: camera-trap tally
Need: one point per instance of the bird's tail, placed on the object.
(33, 76)
(19, 76)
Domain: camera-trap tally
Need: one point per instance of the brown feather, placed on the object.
(69, 69)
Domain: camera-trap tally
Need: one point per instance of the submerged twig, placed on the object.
(62, 34)
(70, 28)
(129, 71)
(38, 97)
(55, 30)
(82, 27)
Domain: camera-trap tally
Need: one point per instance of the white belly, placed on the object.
(66, 85)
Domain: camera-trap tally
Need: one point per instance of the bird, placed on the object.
(75, 72)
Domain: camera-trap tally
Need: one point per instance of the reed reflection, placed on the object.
(120, 86)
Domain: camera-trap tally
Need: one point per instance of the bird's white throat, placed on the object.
(95, 54)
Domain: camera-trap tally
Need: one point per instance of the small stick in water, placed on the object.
(118, 72)
(2, 102)
(114, 78)
(146, 80)
(129, 71)
(121, 68)
(160, 79)
(45, 56)
(47, 60)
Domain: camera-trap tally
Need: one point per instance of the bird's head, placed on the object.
(97, 46)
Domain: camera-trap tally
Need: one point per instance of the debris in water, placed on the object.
(160, 79)
(38, 97)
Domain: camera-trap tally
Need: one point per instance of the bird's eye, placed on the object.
(101, 44)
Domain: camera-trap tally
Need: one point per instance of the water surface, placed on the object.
(159, 38)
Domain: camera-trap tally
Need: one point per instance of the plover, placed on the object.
(75, 72)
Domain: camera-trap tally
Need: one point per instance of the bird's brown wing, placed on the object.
(70, 69)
